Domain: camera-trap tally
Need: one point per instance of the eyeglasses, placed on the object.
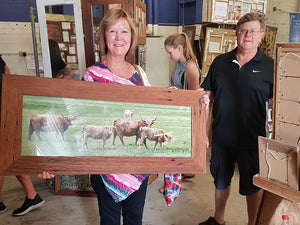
(245, 31)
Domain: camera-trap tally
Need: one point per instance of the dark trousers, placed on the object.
(110, 212)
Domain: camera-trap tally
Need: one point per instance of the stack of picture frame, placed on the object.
(230, 11)
(62, 29)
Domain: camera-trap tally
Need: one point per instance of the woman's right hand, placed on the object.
(45, 175)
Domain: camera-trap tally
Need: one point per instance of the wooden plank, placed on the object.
(277, 188)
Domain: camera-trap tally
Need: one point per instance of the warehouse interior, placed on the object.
(210, 25)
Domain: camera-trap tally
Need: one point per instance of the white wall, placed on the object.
(16, 37)
(157, 68)
(158, 65)
(281, 18)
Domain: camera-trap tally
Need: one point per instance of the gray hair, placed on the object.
(260, 17)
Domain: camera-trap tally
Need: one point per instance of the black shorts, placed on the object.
(222, 165)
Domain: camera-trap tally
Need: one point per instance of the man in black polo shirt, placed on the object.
(239, 84)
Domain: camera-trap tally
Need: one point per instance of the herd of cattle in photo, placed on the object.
(120, 127)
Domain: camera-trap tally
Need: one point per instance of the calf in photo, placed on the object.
(128, 113)
(154, 134)
(96, 132)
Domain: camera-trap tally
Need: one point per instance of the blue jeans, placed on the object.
(110, 212)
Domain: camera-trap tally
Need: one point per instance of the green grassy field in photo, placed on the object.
(172, 119)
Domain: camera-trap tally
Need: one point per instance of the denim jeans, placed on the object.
(110, 212)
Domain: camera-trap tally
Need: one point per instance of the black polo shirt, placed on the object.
(240, 94)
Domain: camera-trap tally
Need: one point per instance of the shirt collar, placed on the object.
(232, 55)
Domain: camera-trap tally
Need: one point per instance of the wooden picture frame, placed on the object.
(15, 87)
(54, 30)
(190, 32)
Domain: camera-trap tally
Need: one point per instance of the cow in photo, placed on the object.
(129, 128)
(49, 123)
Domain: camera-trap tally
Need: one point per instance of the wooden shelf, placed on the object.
(277, 188)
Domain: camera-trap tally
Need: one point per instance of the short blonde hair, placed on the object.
(260, 17)
(109, 19)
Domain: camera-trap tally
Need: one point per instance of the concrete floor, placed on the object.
(195, 204)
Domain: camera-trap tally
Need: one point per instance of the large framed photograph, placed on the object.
(75, 127)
